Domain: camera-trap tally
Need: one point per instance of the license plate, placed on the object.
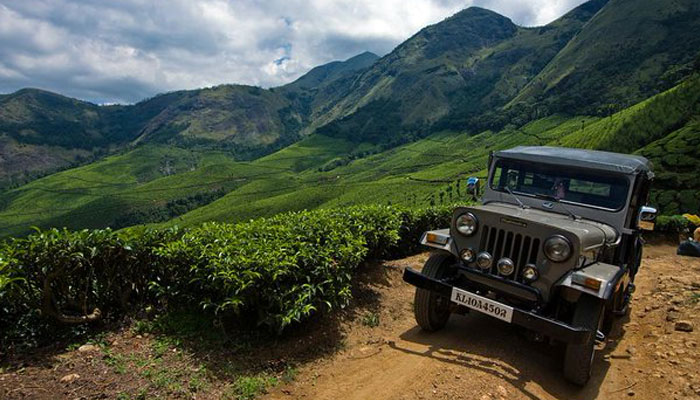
(482, 304)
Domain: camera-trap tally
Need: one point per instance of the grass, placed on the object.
(118, 362)
(156, 363)
(161, 375)
(371, 319)
(250, 387)
(694, 298)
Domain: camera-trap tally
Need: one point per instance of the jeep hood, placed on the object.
(591, 234)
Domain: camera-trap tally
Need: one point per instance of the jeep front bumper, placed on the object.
(546, 326)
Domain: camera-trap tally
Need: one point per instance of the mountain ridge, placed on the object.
(216, 116)
(370, 129)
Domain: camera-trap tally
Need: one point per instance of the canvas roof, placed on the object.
(580, 158)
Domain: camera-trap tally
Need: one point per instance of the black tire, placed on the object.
(579, 357)
(613, 306)
(617, 308)
(430, 309)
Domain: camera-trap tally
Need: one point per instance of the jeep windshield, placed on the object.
(560, 183)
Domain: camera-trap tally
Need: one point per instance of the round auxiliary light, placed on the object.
(530, 273)
(557, 248)
(467, 224)
(468, 255)
(505, 266)
(484, 260)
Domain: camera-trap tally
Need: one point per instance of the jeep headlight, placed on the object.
(557, 248)
(467, 224)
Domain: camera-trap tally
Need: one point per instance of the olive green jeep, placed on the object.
(554, 248)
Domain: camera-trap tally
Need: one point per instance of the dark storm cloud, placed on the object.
(123, 51)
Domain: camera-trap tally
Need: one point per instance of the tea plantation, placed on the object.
(269, 272)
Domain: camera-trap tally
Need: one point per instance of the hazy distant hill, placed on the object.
(41, 131)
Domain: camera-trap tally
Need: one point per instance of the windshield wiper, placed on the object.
(558, 201)
(523, 206)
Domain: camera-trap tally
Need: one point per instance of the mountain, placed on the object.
(449, 73)
(626, 52)
(41, 132)
(405, 128)
(476, 70)
(327, 73)
(173, 186)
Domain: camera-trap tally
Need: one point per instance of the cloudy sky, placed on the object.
(123, 51)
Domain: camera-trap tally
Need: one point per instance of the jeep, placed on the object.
(553, 248)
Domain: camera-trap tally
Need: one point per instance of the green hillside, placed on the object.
(447, 75)
(155, 183)
(429, 171)
(150, 183)
(643, 123)
(456, 75)
(406, 128)
(664, 129)
(41, 132)
(628, 51)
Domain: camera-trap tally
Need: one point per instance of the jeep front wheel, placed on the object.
(432, 310)
(578, 360)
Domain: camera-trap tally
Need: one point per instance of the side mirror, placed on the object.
(647, 218)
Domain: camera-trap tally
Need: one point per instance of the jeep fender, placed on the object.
(439, 239)
(609, 276)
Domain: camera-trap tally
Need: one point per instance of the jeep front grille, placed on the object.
(522, 249)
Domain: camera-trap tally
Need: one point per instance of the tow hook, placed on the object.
(599, 336)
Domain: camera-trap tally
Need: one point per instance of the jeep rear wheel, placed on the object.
(579, 357)
(432, 310)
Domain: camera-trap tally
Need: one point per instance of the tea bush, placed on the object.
(269, 271)
(61, 277)
(414, 223)
(673, 224)
(280, 270)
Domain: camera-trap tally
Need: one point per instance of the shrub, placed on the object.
(9, 276)
(61, 277)
(414, 223)
(279, 270)
(269, 271)
(673, 224)
(74, 277)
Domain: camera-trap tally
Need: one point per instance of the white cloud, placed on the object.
(127, 50)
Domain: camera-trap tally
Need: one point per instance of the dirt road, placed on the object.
(374, 351)
(477, 357)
